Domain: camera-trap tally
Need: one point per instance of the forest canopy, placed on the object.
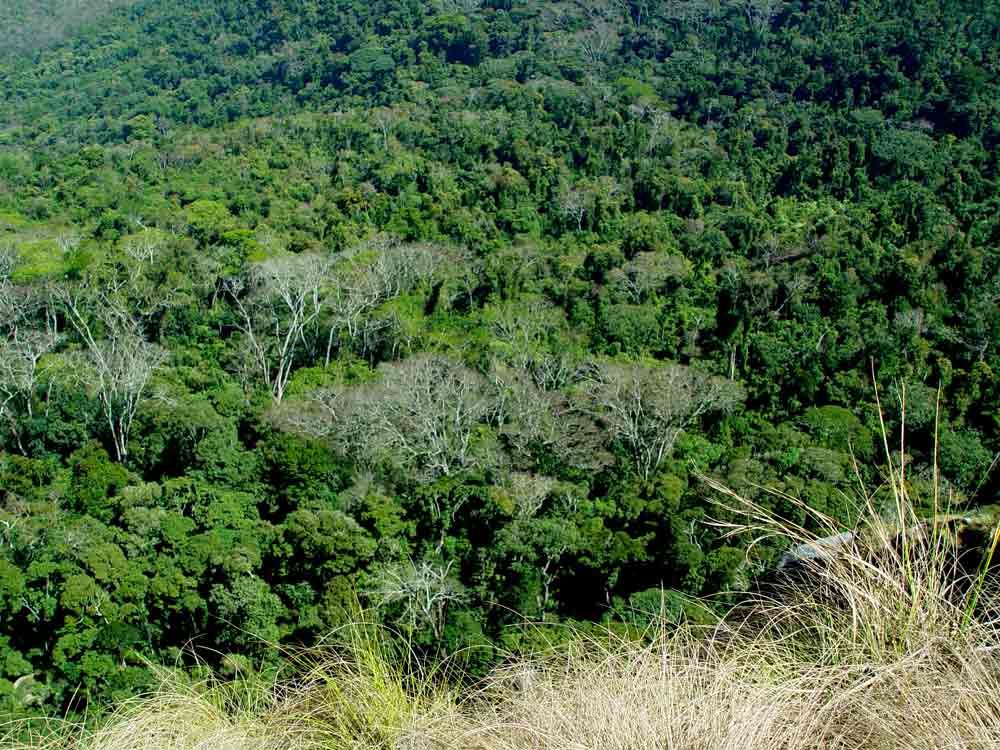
(446, 307)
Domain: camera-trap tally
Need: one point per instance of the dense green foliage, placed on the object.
(447, 305)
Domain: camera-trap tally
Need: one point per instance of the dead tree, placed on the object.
(22, 373)
(117, 363)
(424, 589)
(647, 274)
(278, 307)
(424, 414)
(530, 419)
(374, 273)
(645, 408)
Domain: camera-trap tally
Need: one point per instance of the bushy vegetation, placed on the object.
(879, 644)
(447, 306)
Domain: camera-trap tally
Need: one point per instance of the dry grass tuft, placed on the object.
(239, 715)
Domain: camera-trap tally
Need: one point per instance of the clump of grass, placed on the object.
(893, 586)
(371, 690)
(687, 691)
(365, 689)
(880, 641)
(242, 714)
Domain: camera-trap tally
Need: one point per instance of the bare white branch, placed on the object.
(647, 274)
(278, 308)
(21, 373)
(117, 366)
(646, 408)
(423, 414)
(425, 590)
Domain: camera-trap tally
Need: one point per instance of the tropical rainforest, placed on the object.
(447, 308)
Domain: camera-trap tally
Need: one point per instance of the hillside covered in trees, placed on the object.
(446, 307)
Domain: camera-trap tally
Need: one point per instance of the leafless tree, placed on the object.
(21, 375)
(524, 334)
(647, 407)
(756, 291)
(761, 13)
(353, 295)
(386, 119)
(67, 241)
(574, 204)
(557, 17)
(635, 11)
(529, 492)
(695, 13)
(464, 275)
(27, 334)
(646, 274)
(10, 307)
(662, 129)
(529, 418)
(911, 322)
(460, 6)
(556, 369)
(428, 415)
(8, 263)
(598, 43)
(279, 305)
(661, 126)
(324, 412)
(424, 414)
(147, 276)
(425, 590)
(532, 338)
(117, 366)
(973, 334)
(29, 27)
(398, 268)
(371, 274)
(143, 248)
